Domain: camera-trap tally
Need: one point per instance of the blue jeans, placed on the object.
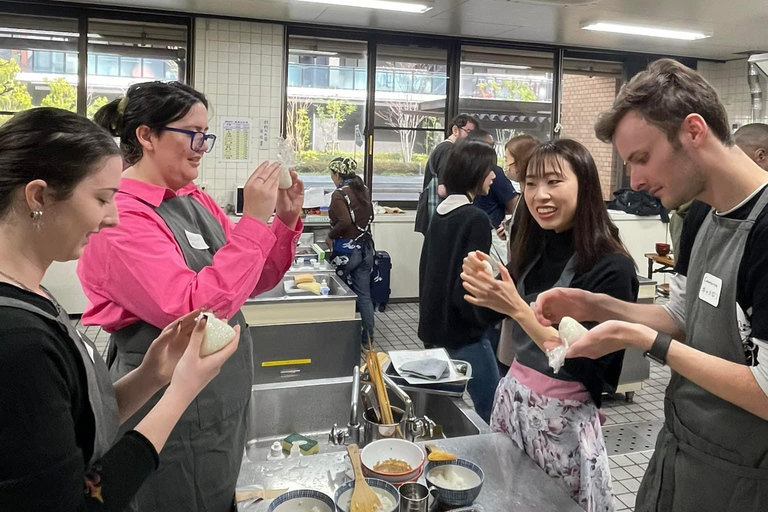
(485, 374)
(357, 274)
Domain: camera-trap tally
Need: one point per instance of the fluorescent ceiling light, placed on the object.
(419, 6)
(492, 65)
(617, 28)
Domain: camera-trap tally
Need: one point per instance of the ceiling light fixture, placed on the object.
(618, 28)
(418, 7)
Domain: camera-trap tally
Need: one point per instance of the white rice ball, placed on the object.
(570, 332)
(218, 334)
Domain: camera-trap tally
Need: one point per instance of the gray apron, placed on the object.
(200, 462)
(514, 341)
(101, 393)
(711, 455)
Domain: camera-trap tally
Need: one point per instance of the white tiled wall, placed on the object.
(239, 67)
(730, 81)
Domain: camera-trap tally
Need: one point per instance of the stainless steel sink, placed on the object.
(311, 408)
(338, 290)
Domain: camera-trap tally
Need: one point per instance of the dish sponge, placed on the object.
(309, 446)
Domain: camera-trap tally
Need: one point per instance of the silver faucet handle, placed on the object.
(337, 436)
(425, 425)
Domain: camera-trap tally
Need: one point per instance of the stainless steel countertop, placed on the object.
(339, 291)
(513, 482)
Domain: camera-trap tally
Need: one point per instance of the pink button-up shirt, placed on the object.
(136, 271)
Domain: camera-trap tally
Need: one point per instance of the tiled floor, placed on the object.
(630, 429)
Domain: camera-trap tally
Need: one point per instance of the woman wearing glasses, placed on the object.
(174, 251)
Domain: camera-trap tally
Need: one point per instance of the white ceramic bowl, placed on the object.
(344, 494)
(469, 472)
(383, 449)
(302, 500)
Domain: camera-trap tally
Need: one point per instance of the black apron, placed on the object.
(101, 393)
(514, 341)
(200, 462)
(711, 455)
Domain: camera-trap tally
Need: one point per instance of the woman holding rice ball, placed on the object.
(61, 451)
(174, 251)
(565, 238)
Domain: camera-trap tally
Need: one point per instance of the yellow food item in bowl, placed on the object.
(392, 466)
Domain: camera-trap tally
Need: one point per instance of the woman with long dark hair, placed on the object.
(351, 214)
(174, 251)
(445, 318)
(564, 238)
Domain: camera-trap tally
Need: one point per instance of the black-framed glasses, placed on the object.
(197, 140)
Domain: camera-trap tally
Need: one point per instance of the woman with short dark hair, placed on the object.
(445, 318)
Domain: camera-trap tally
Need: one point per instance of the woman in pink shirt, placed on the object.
(174, 251)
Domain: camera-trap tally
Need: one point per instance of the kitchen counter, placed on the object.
(513, 482)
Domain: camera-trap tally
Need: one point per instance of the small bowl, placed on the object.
(454, 497)
(662, 249)
(344, 494)
(400, 449)
(302, 501)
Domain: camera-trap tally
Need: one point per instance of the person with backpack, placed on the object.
(434, 190)
(351, 242)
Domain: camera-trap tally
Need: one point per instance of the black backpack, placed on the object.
(638, 202)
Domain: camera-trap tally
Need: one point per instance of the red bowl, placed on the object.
(662, 249)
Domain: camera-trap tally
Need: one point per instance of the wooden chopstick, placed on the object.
(374, 370)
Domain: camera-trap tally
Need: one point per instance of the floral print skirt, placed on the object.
(562, 436)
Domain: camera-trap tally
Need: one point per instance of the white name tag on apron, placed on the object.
(196, 241)
(710, 289)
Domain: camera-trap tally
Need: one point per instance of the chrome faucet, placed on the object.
(352, 433)
(415, 427)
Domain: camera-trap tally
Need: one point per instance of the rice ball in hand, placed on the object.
(218, 334)
(486, 263)
(570, 331)
(285, 180)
